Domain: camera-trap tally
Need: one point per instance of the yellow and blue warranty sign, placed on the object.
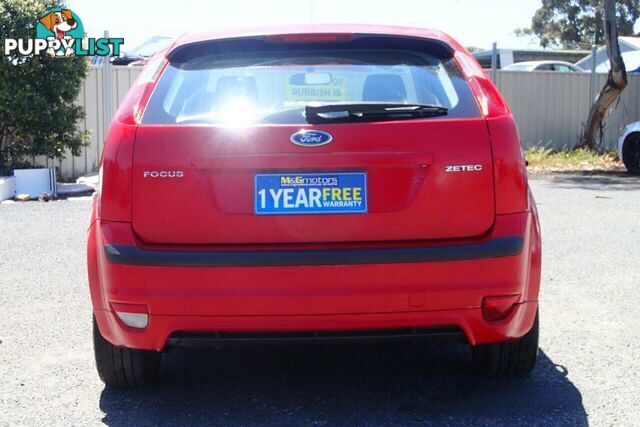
(310, 193)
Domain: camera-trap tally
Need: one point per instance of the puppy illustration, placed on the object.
(59, 23)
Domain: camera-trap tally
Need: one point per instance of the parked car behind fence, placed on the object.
(556, 66)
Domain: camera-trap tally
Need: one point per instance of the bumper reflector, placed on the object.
(498, 308)
(132, 315)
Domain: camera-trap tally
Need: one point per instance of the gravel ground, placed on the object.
(587, 371)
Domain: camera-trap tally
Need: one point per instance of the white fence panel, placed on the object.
(550, 109)
(548, 106)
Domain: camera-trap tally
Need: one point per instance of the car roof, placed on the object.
(631, 61)
(544, 62)
(318, 29)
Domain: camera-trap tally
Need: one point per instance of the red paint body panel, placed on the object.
(412, 202)
(411, 197)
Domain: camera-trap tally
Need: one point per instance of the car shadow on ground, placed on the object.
(343, 385)
(599, 181)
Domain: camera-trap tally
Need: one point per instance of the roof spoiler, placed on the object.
(184, 53)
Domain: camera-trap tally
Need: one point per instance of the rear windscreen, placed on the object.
(271, 83)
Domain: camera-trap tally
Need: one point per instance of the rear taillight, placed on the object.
(114, 203)
(509, 169)
(114, 199)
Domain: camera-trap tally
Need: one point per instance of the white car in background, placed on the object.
(557, 66)
(629, 147)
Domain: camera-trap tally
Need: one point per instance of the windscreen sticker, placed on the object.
(335, 91)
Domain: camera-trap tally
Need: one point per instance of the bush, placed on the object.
(38, 114)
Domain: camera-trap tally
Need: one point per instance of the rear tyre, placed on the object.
(124, 367)
(631, 153)
(508, 359)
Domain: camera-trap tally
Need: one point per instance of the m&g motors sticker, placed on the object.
(308, 193)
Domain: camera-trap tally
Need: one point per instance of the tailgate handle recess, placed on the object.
(376, 160)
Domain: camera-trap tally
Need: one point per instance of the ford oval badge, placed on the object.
(311, 138)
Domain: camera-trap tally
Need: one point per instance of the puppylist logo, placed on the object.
(60, 33)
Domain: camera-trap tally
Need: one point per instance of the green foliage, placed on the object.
(578, 23)
(38, 114)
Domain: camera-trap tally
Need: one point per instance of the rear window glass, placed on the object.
(253, 85)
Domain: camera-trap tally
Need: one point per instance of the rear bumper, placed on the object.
(364, 288)
(163, 330)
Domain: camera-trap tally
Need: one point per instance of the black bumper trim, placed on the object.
(494, 248)
(215, 338)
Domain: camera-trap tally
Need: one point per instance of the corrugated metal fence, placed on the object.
(550, 109)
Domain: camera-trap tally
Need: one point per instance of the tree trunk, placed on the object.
(616, 81)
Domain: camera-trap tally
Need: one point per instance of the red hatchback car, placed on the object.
(312, 183)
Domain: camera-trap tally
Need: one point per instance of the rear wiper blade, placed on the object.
(370, 111)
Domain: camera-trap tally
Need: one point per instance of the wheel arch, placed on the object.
(632, 167)
(630, 129)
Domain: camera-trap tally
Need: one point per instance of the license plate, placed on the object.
(310, 193)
